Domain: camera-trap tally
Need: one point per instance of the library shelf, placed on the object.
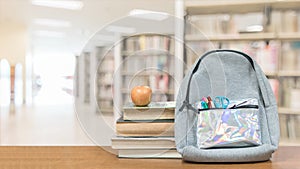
(277, 43)
(148, 59)
(271, 74)
(147, 52)
(237, 6)
(288, 35)
(106, 110)
(104, 99)
(231, 37)
(289, 142)
(283, 73)
(285, 110)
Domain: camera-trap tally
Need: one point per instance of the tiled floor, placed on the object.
(41, 125)
(52, 119)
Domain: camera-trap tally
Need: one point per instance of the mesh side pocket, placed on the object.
(218, 128)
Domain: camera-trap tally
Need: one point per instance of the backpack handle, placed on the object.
(186, 102)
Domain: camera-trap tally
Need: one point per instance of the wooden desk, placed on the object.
(94, 157)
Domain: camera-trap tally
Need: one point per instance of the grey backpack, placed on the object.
(245, 130)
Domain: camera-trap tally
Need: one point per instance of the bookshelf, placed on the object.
(147, 59)
(87, 76)
(234, 6)
(93, 82)
(105, 76)
(231, 37)
(104, 79)
(224, 24)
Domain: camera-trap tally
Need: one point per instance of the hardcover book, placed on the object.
(143, 142)
(155, 110)
(145, 128)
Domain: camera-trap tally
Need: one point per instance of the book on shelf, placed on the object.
(275, 87)
(144, 42)
(291, 124)
(146, 153)
(297, 127)
(294, 96)
(155, 110)
(290, 52)
(172, 46)
(283, 126)
(264, 53)
(143, 142)
(289, 128)
(145, 128)
(148, 61)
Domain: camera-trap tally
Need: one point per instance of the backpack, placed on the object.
(236, 76)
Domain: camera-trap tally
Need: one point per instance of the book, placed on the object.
(291, 126)
(294, 96)
(143, 142)
(146, 153)
(283, 126)
(145, 128)
(155, 110)
(297, 127)
(275, 87)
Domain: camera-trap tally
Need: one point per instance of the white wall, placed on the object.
(13, 44)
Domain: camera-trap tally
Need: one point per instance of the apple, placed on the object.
(141, 95)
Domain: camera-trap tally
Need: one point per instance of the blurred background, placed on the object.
(53, 57)
(39, 42)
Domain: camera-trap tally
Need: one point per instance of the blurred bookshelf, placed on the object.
(231, 37)
(236, 6)
(104, 80)
(268, 31)
(93, 82)
(148, 59)
(87, 76)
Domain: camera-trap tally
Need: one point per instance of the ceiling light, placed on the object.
(120, 29)
(65, 4)
(146, 14)
(46, 33)
(51, 22)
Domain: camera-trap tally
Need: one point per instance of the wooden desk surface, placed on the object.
(89, 157)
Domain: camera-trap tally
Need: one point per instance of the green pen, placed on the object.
(204, 105)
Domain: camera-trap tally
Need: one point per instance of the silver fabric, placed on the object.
(243, 102)
(228, 128)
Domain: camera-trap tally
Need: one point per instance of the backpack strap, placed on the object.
(186, 102)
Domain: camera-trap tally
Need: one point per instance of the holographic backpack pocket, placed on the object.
(233, 127)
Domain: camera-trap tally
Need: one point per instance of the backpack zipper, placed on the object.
(235, 107)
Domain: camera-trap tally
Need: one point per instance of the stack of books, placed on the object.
(146, 132)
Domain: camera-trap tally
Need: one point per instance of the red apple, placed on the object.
(141, 95)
